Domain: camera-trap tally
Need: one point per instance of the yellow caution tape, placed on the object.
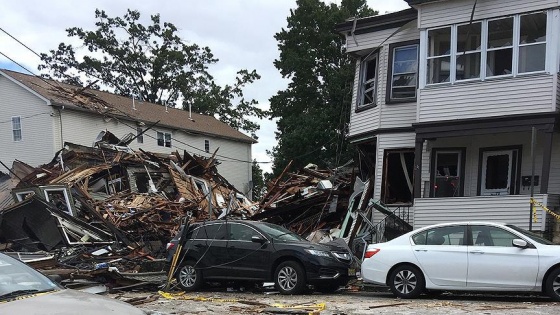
(26, 296)
(312, 309)
(553, 214)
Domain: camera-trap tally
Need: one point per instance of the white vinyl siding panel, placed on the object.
(450, 12)
(520, 95)
(382, 115)
(36, 145)
(82, 128)
(506, 209)
(554, 181)
(387, 142)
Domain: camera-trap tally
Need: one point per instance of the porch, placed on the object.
(513, 209)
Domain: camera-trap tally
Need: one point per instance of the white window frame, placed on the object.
(424, 82)
(66, 198)
(467, 52)
(164, 136)
(14, 129)
(360, 103)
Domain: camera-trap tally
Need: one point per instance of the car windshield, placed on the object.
(531, 235)
(279, 233)
(18, 279)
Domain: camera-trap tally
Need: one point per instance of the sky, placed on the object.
(240, 34)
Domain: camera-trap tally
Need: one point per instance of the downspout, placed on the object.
(60, 121)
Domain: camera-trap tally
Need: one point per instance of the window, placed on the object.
(139, 135)
(439, 55)
(532, 42)
(212, 232)
(207, 146)
(491, 236)
(164, 139)
(397, 185)
(240, 232)
(447, 172)
(368, 82)
(403, 76)
(506, 46)
(469, 51)
(447, 235)
(16, 128)
(59, 198)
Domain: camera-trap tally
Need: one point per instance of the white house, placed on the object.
(38, 116)
(445, 105)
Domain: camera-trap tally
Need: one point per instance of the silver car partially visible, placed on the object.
(23, 290)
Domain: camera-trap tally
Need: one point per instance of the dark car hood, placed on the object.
(68, 302)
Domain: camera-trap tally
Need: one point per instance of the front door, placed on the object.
(499, 172)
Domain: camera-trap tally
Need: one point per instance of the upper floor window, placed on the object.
(207, 146)
(164, 139)
(505, 46)
(403, 76)
(16, 128)
(368, 81)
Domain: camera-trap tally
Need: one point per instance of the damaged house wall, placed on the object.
(51, 115)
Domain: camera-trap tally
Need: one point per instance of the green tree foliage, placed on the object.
(258, 181)
(153, 63)
(314, 110)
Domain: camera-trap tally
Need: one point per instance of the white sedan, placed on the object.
(465, 256)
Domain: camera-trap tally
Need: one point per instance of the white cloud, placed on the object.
(239, 32)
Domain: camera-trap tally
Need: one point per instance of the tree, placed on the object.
(153, 63)
(258, 181)
(313, 111)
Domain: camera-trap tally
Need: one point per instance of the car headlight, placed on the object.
(320, 253)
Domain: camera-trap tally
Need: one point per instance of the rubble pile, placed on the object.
(311, 202)
(110, 206)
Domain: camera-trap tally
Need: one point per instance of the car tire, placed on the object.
(407, 282)
(552, 284)
(188, 277)
(327, 287)
(289, 278)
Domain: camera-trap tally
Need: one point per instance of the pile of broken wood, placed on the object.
(308, 200)
(111, 207)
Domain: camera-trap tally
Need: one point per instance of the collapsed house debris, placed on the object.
(109, 206)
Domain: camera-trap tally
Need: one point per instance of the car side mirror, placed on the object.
(519, 243)
(258, 239)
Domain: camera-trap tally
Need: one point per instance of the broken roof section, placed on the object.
(105, 103)
(140, 198)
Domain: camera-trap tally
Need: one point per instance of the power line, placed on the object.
(25, 117)
(222, 156)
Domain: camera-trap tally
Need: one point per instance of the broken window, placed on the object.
(368, 81)
(16, 128)
(164, 139)
(397, 176)
(22, 195)
(447, 170)
(59, 198)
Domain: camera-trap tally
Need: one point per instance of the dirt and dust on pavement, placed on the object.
(340, 303)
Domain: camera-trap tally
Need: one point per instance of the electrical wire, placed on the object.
(25, 117)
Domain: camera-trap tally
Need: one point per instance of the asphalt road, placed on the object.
(345, 302)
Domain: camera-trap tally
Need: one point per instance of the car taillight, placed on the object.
(170, 246)
(371, 252)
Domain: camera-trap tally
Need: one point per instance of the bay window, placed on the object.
(505, 46)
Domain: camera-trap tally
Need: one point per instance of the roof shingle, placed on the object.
(111, 104)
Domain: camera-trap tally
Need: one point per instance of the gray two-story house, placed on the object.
(456, 106)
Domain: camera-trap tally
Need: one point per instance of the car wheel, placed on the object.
(289, 278)
(406, 282)
(189, 278)
(327, 287)
(552, 284)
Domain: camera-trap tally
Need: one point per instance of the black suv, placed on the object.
(233, 250)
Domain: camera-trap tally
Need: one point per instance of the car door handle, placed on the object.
(199, 245)
(477, 252)
(421, 250)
